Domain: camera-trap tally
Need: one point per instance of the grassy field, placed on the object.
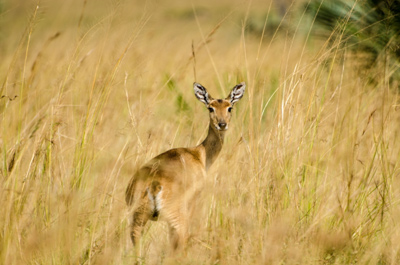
(91, 90)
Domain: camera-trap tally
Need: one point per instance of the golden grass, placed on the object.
(309, 173)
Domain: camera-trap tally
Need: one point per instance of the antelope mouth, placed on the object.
(221, 129)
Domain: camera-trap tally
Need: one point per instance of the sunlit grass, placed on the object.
(309, 172)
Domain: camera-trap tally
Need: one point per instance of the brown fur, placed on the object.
(164, 188)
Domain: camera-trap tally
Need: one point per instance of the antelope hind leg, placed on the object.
(139, 220)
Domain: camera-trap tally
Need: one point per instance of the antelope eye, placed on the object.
(229, 109)
(211, 109)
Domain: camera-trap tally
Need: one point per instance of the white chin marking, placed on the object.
(219, 128)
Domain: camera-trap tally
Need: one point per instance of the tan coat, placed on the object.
(165, 187)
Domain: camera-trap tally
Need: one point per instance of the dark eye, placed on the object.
(229, 109)
(211, 109)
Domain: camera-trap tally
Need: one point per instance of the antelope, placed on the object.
(165, 187)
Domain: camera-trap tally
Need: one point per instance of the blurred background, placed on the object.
(91, 90)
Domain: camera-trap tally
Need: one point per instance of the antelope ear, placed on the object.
(236, 93)
(201, 93)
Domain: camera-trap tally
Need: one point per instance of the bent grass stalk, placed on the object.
(308, 174)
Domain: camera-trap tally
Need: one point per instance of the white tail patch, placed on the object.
(158, 201)
(155, 200)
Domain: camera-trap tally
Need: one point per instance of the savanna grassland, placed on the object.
(91, 90)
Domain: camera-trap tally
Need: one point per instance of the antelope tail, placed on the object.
(154, 192)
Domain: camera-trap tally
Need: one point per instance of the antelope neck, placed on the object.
(212, 145)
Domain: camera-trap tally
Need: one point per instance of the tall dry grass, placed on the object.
(309, 173)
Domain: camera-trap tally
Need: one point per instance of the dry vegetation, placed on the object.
(309, 173)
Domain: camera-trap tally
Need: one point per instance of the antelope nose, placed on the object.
(222, 125)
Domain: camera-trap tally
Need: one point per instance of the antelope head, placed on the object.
(220, 109)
